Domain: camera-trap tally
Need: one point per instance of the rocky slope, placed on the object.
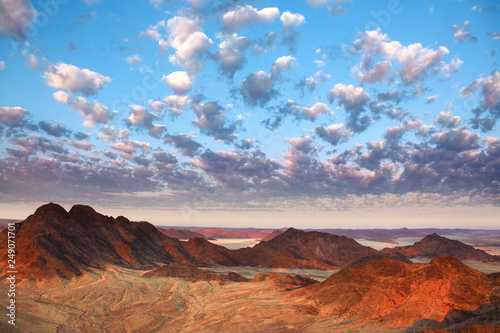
(393, 293)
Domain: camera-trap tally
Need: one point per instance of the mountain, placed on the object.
(433, 245)
(180, 233)
(330, 249)
(272, 235)
(396, 294)
(54, 242)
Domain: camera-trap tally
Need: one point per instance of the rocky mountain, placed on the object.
(330, 249)
(396, 294)
(180, 233)
(53, 241)
(433, 245)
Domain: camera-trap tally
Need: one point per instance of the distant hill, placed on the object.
(272, 235)
(432, 246)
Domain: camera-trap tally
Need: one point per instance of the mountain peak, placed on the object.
(50, 209)
(82, 210)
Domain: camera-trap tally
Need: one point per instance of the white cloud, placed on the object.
(230, 55)
(74, 79)
(179, 82)
(292, 20)
(319, 63)
(62, 97)
(490, 90)
(462, 33)
(2, 65)
(12, 116)
(283, 63)
(349, 95)
(96, 113)
(16, 17)
(451, 68)
(311, 112)
(447, 119)
(414, 59)
(129, 147)
(176, 103)
(189, 41)
(334, 134)
(431, 99)
(134, 59)
(247, 15)
(377, 74)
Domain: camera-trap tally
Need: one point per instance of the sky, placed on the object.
(304, 113)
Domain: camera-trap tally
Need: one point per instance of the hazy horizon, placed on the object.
(439, 218)
(267, 113)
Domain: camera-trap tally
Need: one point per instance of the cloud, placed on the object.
(54, 129)
(13, 116)
(290, 20)
(289, 35)
(184, 143)
(74, 79)
(312, 112)
(414, 60)
(333, 134)
(130, 147)
(378, 73)
(311, 82)
(490, 90)
(238, 170)
(258, 88)
(31, 60)
(2, 65)
(189, 42)
(211, 121)
(179, 82)
(457, 139)
(448, 70)
(247, 15)
(354, 100)
(462, 33)
(134, 59)
(231, 56)
(283, 63)
(482, 9)
(317, 2)
(111, 133)
(83, 145)
(447, 119)
(431, 99)
(175, 104)
(290, 108)
(16, 17)
(96, 113)
(142, 118)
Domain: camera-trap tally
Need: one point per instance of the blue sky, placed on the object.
(253, 112)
